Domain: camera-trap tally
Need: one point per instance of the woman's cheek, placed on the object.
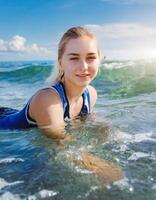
(94, 70)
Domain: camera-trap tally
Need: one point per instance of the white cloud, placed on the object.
(126, 40)
(19, 45)
(122, 30)
(2, 45)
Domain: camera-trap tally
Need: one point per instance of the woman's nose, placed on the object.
(83, 64)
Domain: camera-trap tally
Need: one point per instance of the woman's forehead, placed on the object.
(82, 44)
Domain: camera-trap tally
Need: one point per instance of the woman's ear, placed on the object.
(60, 64)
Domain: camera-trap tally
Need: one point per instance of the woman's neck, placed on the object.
(73, 92)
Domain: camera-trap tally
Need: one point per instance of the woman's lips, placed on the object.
(82, 75)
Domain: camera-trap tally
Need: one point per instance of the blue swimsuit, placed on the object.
(21, 119)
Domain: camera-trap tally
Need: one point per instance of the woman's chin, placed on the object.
(83, 83)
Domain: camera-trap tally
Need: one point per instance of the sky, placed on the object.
(31, 30)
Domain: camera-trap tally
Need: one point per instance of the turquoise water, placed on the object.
(121, 130)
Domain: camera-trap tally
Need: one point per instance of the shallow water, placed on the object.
(121, 130)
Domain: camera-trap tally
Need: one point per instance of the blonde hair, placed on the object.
(72, 33)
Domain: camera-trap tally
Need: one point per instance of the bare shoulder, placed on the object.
(93, 95)
(46, 96)
(92, 90)
(45, 107)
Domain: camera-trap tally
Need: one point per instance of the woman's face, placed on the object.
(80, 61)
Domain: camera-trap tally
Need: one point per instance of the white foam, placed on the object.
(144, 137)
(123, 147)
(4, 183)
(9, 196)
(42, 194)
(118, 65)
(123, 137)
(10, 160)
(92, 188)
(154, 187)
(83, 171)
(135, 156)
(124, 184)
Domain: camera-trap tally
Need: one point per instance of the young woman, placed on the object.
(70, 95)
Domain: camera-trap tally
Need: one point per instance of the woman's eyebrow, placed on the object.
(91, 54)
(76, 54)
(73, 54)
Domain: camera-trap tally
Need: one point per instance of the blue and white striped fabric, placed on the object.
(59, 88)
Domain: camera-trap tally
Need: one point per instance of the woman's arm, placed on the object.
(46, 109)
(105, 171)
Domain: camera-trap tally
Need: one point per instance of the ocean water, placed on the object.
(122, 131)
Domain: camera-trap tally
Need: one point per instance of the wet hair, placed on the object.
(72, 33)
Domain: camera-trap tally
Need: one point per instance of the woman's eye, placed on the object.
(91, 58)
(73, 58)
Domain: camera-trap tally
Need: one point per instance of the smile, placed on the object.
(82, 75)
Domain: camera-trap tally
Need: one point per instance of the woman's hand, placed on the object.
(105, 171)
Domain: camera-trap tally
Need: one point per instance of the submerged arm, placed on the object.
(106, 172)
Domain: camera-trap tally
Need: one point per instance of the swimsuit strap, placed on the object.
(59, 88)
(86, 107)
